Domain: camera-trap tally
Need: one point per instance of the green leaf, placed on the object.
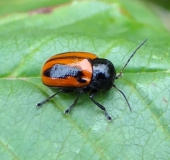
(111, 30)
(11, 6)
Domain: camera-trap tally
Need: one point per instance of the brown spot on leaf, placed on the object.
(46, 10)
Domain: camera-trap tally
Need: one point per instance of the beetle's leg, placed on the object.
(74, 103)
(92, 94)
(46, 100)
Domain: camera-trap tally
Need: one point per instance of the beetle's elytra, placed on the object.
(81, 71)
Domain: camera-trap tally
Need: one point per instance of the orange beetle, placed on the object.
(81, 71)
(74, 70)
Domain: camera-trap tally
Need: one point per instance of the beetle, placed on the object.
(81, 72)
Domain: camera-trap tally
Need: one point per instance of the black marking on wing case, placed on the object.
(64, 71)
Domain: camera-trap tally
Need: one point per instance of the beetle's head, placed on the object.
(104, 74)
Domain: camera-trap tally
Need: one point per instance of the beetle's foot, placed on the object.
(67, 111)
(107, 116)
(38, 105)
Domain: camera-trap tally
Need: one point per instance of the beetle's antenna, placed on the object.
(123, 96)
(46, 100)
(121, 72)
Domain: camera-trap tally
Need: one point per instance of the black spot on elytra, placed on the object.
(64, 71)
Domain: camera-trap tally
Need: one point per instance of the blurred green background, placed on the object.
(10, 6)
(162, 3)
(13, 6)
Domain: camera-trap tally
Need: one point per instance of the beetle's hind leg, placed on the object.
(92, 94)
(74, 103)
(47, 99)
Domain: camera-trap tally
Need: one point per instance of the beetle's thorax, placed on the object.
(104, 74)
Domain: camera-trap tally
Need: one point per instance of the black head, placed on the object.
(104, 74)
